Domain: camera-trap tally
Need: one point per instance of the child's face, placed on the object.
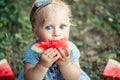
(56, 26)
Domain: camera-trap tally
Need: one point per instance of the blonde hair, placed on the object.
(39, 14)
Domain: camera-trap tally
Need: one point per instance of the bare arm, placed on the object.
(69, 71)
(39, 71)
(32, 72)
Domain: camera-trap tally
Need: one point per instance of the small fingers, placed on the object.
(67, 53)
(62, 53)
(55, 58)
(48, 51)
(51, 53)
(55, 55)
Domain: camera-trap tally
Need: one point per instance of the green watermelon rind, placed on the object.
(113, 63)
(7, 67)
(37, 49)
(2, 61)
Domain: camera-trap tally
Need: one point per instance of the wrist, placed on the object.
(65, 65)
(42, 66)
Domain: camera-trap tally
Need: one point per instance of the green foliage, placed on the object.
(95, 31)
(15, 32)
(97, 13)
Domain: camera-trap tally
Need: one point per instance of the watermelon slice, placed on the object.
(112, 70)
(5, 71)
(41, 46)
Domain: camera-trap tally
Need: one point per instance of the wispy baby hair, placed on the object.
(41, 9)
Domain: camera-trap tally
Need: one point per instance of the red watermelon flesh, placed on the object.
(41, 46)
(112, 70)
(5, 71)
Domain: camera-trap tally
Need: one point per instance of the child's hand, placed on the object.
(65, 57)
(48, 57)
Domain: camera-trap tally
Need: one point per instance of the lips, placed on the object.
(57, 38)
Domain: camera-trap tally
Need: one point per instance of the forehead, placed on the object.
(56, 9)
(54, 12)
(57, 13)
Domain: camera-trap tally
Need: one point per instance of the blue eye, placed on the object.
(48, 27)
(62, 26)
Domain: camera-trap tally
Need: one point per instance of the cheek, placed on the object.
(41, 34)
(66, 33)
(45, 36)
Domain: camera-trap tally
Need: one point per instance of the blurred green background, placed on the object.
(95, 31)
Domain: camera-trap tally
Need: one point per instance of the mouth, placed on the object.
(57, 39)
(54, 40)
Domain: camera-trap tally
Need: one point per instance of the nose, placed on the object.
(56, 32)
